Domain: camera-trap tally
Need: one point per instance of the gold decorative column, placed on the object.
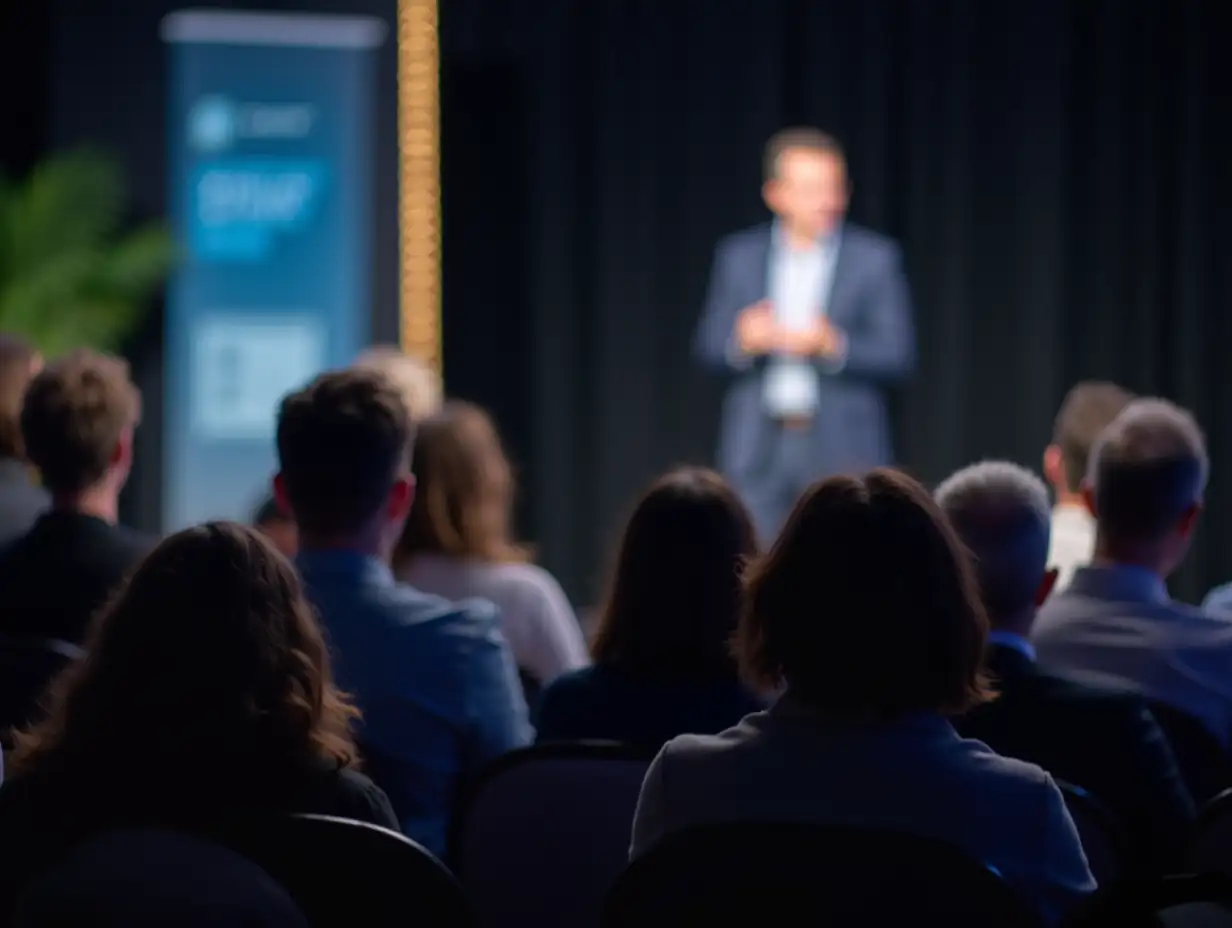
(419, 188)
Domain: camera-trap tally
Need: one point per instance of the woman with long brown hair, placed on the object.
(205, 697)
(458, 542)
(662, 666)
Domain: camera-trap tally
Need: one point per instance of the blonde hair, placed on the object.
(419, 385)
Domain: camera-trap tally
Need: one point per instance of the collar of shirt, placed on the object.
(1121, 581)
(826, 244)
(343, 562)
(1012, 641)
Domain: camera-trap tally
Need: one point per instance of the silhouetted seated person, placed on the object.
(77, 425)
(435, 679)
(662, 666)
(866, 608)
(1104, 742)
(205, 699)
(1116, 625)
(21, 499)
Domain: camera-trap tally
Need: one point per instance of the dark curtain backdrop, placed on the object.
(1057, 173)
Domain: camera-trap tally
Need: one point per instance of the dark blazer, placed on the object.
(869, 301)
(1107, 743)
(21, 502)
(54, 577)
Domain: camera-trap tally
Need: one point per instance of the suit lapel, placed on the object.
(839, 303)
(762, 268)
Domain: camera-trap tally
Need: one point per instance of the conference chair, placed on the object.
(27, 665)
(810, 874)
(1102, 837)
(1204, 764)
(543, 834)
(1212, 846)
(344, 874)
(1180, 901)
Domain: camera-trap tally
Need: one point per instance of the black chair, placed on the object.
(27, 665)
(1212, 846)
(807, 874)
(1181, 901)
(541, 837)
(1204, 764)
(1102, 837)
(344, 874)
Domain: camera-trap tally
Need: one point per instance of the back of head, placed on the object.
(343, 442)
(209, 656)
(419, 384)
(674, 595)
(19, 362)
(1147, 474)
(75, 416)
(151, 877)
(1001, 513)
(866, 606)
(464, 489)
(1088, 408)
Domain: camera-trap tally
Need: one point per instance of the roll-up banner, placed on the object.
(270, 166)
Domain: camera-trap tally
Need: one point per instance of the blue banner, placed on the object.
(270, 165)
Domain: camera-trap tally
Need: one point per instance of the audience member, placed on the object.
(457, 542)
(1087, 410)
(435, 680)
(204, 698)
(1116, 625)
(21, 500)
(1107, 743)
(419, 385)
(662, 664)
(77, 425)
(276, 524)
(866, 608)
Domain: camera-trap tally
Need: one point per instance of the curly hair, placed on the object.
(208, 655)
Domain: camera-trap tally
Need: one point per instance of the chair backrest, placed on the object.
(1204, 764)
(27, 665)
(1103, 838)
(1212, 846)
(344, 873)
(798, 873)
(543, 834)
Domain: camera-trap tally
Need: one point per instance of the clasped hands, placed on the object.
(759, 333)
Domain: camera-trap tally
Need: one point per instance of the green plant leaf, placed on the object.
(137, 263)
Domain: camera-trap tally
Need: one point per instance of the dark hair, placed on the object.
(1088, 408)
(1148, 467)
(17, 361)
(75, 410)
(674, 595)
(866, 605)
(208, 657)
(797, 138)
(343, 441)
(463, 490)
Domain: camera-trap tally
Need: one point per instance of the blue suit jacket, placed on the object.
(869, 301)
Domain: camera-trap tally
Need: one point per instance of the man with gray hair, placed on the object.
(1002, 514)
(1116, 624)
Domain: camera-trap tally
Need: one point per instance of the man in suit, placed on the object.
(77, 424)
(21, 500)
(435, 680)
(1105, 742)
(811, 317)
(1116, 625)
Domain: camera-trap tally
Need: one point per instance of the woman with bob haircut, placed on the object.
(204, 698)
(866, 610)
(457, 543)
(662, 664)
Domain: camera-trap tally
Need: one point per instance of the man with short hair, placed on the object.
(1107, 743)
(77, 423)
(21, 501)
(1116, 625)
(809, 317)
(1088, 409)
(435, 681)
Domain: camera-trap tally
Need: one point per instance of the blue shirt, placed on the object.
(1219, 599)
(799, 281)
(435, 681)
